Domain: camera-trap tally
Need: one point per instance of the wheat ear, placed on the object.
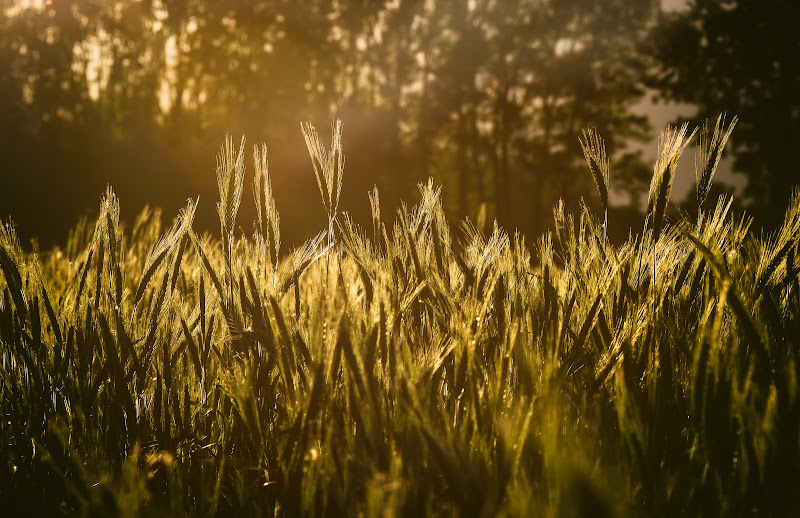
(709, 153)
(594, 149)
(671, 144)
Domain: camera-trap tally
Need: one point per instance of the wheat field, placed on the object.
(409, 369)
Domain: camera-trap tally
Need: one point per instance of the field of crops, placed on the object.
(412, 368)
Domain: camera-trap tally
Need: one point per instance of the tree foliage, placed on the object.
(740, 57)
(489, 97)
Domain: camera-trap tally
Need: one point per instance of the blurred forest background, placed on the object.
(487, 96)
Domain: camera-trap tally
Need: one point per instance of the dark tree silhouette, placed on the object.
(741, 57)
(495, 96)
(488, 97)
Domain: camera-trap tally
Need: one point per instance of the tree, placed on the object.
(741, 57)
(139, 94)
(487, 96)
(497, 93)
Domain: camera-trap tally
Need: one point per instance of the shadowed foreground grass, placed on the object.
(400, 370)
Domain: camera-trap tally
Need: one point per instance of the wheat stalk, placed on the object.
(671, 144)
(268, 222)
(708, 156)
(328, 168)
(230, 180)
(594, 150)
(375, 208)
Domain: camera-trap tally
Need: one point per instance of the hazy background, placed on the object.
(487, 97)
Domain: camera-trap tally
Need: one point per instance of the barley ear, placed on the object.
(268, 224)
(671, 144)
(594, 149)
(328, 168)
(709, 154)
(328, 165)
(375, 206)
(230, 180)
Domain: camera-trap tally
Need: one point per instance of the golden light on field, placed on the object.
(489, 98)
(398, 257)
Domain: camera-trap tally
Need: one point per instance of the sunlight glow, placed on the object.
(94, 59)
(23, 5)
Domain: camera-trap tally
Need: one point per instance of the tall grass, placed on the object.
(421, 369)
